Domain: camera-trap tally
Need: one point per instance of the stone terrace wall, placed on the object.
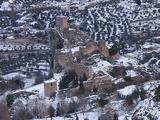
(102, 83)
(79, 69)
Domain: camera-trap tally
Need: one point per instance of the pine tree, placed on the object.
(51, 111)
(142, 94)
(81, 82)
(157, 93)
(129, 100)
(138, 2)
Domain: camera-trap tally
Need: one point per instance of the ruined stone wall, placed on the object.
(90, 48)
(63, 58)
(103, 49)
(102, 83)
(79, 69)
(138, 79)
(94, 47)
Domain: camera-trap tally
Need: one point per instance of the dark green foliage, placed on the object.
(135, 94)
(118, 71)
(106, 116)
(39, 77)
(81, 82)
(102, 102)
(77, 118)
(17, 83)
(4, 37)
(157, 93)
(75, 82)
(86, 119)
(22, 114)
(60, 43)
(128, 79)
(59, 110)
(113, 50)
(20, 83)
(129, 100)
(151, 117)
(115, 117)
(95, 89)
(51, 111)
(138, 2)
(10, 100)
(68, 78)
(73, 107)
(142, 94)
(84, 77)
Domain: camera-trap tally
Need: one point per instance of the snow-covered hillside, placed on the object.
(108, 20)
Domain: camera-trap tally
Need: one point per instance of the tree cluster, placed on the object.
(71, 79)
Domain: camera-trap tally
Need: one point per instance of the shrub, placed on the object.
(73, 107)
(51, 111)
(86, 119)
(95, 89)
(81, 82)
(10, 100)
(39, 77)
(113, 50)
(84, 77)
(138, 2)
(68, 78)
(106, 116)
(115, 116)
(118, 71)
(22, 114)
(142, 94)
(59, 110)
(102, 102)
(157, 93)
(20, 83)
(128, 79)
(129, 100)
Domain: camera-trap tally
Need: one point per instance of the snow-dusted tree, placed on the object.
(22, 113)
(38, 107)
(129, 100)
(51, 111)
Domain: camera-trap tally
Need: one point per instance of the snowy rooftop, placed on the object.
(127, 90)
(50, 81)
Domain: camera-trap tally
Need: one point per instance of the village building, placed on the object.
(50, 87)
